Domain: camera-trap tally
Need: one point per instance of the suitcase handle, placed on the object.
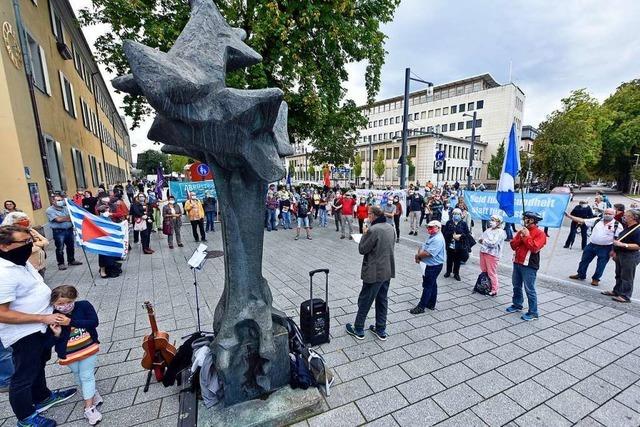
(311, 274)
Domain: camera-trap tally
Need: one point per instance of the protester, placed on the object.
(436, 207)
(303, 216)
(397, 214)
(24, 315)
(210, 205)
(9, 206)
(38, 256)
(619, 208)
(598, 206)
(142, 220)
(527, 244)
(432, 254)
(130, 189)
(89, 202)
(316, 203)
(322, 210)
(195, 212)
(285, 212)
(388, 210)
(112, 209)
(378, 268)
(362, 213)
(172, 221)
(348, 213)
(154, 209)
(491, 243)
(456, 234)
(583, 211)
(60, 223)
(414, 209)
(603, 232)
(626, 254)
(76, 344)
(271, 206)
(336, 209)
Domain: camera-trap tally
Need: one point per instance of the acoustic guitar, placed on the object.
(158, 351)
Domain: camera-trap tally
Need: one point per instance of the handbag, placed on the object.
(139, 225)
(167, 227)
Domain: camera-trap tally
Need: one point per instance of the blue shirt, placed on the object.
(53, 213)
(435, 246)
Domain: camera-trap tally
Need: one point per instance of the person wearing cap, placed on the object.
(583, 211)
(432, 254)
(491, 250)
(455, 233)
(526, 244)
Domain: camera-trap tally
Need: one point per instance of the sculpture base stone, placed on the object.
(283, 407)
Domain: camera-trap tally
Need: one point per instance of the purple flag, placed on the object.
(159, 183)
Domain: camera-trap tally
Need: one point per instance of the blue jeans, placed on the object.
(271, 219)
(286, 220)
(430, 286)
(84, 371)
(64, 237)
(323, 217)
(527, 276)
(591, 251)
(210, 221)
(6, 365)
(372, 292)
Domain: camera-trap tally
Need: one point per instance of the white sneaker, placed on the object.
(92, 415)
(97, 399)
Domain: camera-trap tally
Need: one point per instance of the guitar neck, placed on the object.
(154, 325)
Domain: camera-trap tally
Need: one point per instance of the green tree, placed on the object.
(357, 167)
(494, 167)
(149, 160)
(178, 162)
(412, 169)
(621, 137)
(305, 44)
(312, 171)
(379, 166)
(569, 140)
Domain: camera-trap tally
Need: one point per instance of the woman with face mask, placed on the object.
(142, 215)
(38, 256)
(491, 250)
(362, 213)
(455, 233)
(172, 214)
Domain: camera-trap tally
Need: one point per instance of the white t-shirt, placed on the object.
(603, 234)
(26, 292)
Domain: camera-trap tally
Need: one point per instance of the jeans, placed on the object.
(286, 220)
(195, 225)
(626, 263)
(64, 237)
(271, 219)
(29, 384)
(347, 220)
(369, 293)
(211, 226)
(430, 286)
(527, 276)
(323, 217)
(6, 365)
(84, 371)
(590, 252)
(303, 222)
(572, 235)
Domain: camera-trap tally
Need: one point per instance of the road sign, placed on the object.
(440, 155)
(203, 169)
(439, 166)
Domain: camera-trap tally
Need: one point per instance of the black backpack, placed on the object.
(483, 284)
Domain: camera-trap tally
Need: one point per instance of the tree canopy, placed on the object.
(378, 165)
(357, 166)
(494, 167)
(305, 45)
(149, 160)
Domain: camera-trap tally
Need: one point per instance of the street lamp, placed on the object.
(370, 162)
(471, 153)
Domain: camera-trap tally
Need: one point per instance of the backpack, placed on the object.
(483, 284)
(300, 374)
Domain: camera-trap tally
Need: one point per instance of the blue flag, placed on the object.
(510, 168)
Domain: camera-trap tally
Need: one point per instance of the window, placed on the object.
(370, 125)
(397, 119)
(68, 100)
(460, 125)
(470, 106)
(379, 137)
(38, 66)
(452, 127)
(386, 122)
(445, 111)
(396, 152)
(423, 115)
(384, 136)
(469, 124)
(78, 168)
(375, 154)
(412, 151)
(375, 137)
(444, 128)
(478, 123)
(55, 163)
(454, 109)
(479, 104)
(461, 108)
(85, 113)
(397, 134)
(380, 122)
(56, 23)
(388, 156)
(94, 170)
(430, 129)
(438, 111)
(430, 114)
(416, 116)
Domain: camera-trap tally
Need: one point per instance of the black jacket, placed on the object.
(460, 228)
(581, 212)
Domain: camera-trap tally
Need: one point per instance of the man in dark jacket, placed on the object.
(414, 209)
(582, 210)
(378, 267)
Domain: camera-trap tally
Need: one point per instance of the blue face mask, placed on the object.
(457, 217)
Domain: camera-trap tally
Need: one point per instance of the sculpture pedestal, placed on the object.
(283, 407)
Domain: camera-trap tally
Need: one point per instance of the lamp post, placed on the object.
(306, 169)
(473, 140)
(405, 124)
(370, 162)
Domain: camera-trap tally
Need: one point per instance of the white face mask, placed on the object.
(105, 199)
(172, 202)
(493, 224)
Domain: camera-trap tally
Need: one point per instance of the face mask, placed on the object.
(395, 201)
(105, 199)
(18, 256)
(493, 224)
(105, 214)
(60, 203)
(457, 217)
(607, 218)
(432, 231)
(65, 308)
(389, 202)
(172, 201)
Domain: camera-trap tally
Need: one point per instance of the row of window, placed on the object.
(451, 152)
(428, 114)
(444, 128)
(421, 99)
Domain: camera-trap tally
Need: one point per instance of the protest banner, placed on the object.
(483, 204)
(180, 189)
(380, 197)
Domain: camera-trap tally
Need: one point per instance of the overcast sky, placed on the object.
(553, 46)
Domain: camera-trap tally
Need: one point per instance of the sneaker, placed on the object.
(56, 397)
(351, 331)
(417, 310)
(296, 238)
(62, 267)
(381, 335)
(528, 317)
(97, 399)
(92, 415)
(309, 238)
(74, 262)
(36, 420)
(180, 245)
(513, 309)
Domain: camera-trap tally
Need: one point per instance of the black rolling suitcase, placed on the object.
(314, 314)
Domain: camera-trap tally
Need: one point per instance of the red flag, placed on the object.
(327, 179)
(91, 231)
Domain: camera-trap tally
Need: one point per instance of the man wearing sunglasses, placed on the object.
(25, 312)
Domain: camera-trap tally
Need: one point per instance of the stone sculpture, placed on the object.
(242, 135)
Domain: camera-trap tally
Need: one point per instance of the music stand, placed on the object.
(196, 262)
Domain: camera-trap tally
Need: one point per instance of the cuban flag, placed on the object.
(510, 168)
(99, 235)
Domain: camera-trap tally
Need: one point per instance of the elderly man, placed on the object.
(378, 267)
(432, 255)
(603, 231)
(60, 223)
(626, 254)
(25, 312)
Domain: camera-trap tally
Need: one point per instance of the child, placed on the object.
(76, 342)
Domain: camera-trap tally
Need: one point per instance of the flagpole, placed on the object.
(93, 279)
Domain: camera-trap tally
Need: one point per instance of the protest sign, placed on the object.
(180, 189)
(380, 197)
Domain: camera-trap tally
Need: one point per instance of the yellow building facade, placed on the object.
(59, 128)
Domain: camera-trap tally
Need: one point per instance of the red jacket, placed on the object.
(527, 249)
(362, 212)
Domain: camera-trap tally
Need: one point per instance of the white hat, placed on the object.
(434, 223)
(457, 211)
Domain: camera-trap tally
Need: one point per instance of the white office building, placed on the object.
(446, 115)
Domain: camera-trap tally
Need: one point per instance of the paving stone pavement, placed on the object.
(466, 363)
